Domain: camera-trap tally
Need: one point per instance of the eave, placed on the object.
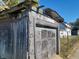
(54, 15)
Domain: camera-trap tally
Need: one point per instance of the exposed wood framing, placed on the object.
(16, 9)
(13, 9)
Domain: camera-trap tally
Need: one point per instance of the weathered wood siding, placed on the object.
(28, 35)
(13, 37)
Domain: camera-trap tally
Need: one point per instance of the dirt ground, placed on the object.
(75, 54)
(56, 57)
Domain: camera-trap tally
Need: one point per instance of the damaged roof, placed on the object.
(3, 6)
(16, 9)
(22, 5)
(53, 14)
(49, 12)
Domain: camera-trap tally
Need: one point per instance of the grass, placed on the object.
(66, 45)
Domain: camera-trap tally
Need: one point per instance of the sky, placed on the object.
(68, 9)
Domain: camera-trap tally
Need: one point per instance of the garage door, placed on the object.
(45, 42)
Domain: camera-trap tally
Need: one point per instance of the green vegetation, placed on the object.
(11, 3)
(67, 45)
(36, 1)
(76, 23)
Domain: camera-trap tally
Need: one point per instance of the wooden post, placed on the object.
(67, 41)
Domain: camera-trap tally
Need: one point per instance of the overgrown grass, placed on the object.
(66, 45)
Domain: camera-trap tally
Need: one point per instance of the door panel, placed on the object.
(45, 40)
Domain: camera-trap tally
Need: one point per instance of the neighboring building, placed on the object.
(27, 34)
(65, 30)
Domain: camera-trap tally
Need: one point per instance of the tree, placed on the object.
(77, 22)
(71, 23)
